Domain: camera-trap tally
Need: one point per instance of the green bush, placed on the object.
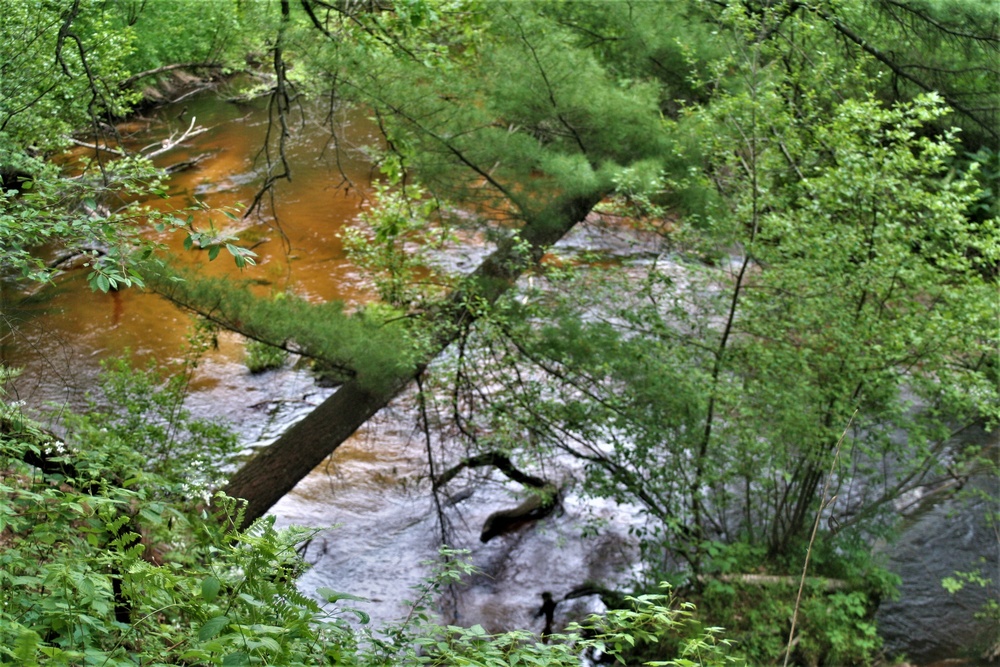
(836, 624)
(260, 357)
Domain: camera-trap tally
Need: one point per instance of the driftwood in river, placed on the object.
(537, 506)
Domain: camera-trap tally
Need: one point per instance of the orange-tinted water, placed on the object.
(59, 335)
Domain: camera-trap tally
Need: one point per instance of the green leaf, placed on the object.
(210, 589)
(212, 627)
(952, 585)
(195, 654)
(236, 659)
(268, 629)
(213, 252)
(102, 282)
(25, 646)
(331, 595)
(270, 644)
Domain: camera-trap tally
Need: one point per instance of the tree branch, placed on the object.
(166, 68)
(883, 58)
(495, 459)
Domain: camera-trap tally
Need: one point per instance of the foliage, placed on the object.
(370, 344)
(846, 270)
(949, 46)
(260, 357)
(67, 68)
(954, 584)
(46, 208)
(176, 31)
(65, 63)
(836, 621)
(492, 141)
(96, 213)
(826, 258)
(828, 250)
(211, 239)
(124, 577)
(61, 69)
(755, 370)
(146, 410)
(638, 625)
(617, 634)
(106, 563)
(393, 240)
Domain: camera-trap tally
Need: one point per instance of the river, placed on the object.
(374, 488)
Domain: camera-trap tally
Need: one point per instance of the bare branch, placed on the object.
(166, 68)
(495, 459)
(171, 142)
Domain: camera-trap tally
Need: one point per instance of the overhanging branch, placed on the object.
(495, 459)
(883, 58)
(278, 468)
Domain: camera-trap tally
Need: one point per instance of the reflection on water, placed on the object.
(60, 334)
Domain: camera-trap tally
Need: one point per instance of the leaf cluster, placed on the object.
(368, 345)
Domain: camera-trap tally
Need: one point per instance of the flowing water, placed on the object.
(374, 488)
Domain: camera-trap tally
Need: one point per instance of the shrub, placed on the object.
(260, 357)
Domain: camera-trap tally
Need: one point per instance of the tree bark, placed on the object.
(263, 480)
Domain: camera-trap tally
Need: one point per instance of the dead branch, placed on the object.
(186, 164)
(827, 585)
(166, 68)
(98, 147)
(173, 141)
(498, 461)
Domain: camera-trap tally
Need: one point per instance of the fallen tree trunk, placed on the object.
(263, 480)
(824, 583)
